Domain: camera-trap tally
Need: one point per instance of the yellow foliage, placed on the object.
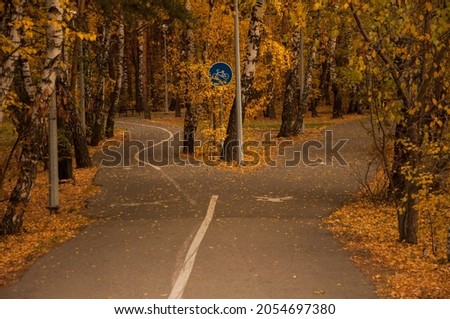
(317, 5)
(397, 270)
(43, 230)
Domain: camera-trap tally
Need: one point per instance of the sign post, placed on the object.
(238, 84)
(220, 74)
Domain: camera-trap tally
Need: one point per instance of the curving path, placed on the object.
(203, 232)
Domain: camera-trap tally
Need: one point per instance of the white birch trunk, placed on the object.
(192, 112)
(305, 83)
(35, 136)
(28, 80)
(8, 68)
(332, 45)
(55, 39)
(292, 86)
(253, 48)
(229, 153)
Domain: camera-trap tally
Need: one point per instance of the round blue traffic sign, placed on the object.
(220, 74)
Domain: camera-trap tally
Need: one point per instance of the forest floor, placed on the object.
(42, 231)
(367, 231)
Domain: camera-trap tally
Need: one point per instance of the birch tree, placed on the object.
(305, 84)
(299, 77)
(292, 85)
(191, 116)
(229, 152)
(9, 64)
(35, 121)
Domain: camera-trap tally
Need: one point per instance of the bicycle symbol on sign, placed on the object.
(220, 74)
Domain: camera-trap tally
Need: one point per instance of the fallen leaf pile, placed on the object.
(398, 270)
(42, 230)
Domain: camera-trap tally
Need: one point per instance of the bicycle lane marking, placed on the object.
(183, 276)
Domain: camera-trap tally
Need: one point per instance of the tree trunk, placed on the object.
(34, 138)
(27, 80)
(328, 45)
(408, 216)
(448, 244)
(191, 116)
(190, 127)
(337, 102)
(98, 130)
(288, 113)
(26, 86)
(177, 106)
(74, 72)
(270, 109)
(313, 107)
(339, 60)
(78, 66)
(404, 189)
(142, 79)
(66, 101)
(129, 64)
(325, 76)
(397, 181)
(292, 93)
(230, 149)
(118, 85)
(31, 148)
(355, 106)
(9, 65)
(305, 85)
(335, 62)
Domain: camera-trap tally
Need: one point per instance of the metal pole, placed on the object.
(166, 91)
(53, 156)
(221, 110)
(238, 84)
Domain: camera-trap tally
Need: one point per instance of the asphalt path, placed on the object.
(198, 231)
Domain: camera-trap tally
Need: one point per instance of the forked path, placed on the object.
(174, 231)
